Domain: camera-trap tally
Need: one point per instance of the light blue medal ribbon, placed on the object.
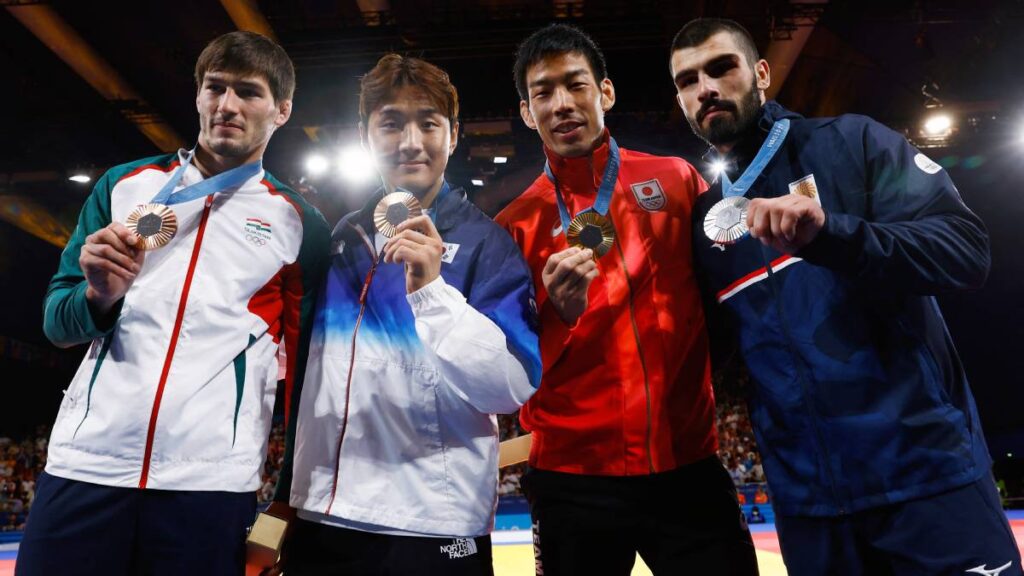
(156, 224)
(220, 182)
(771, 145)
(591, 228)
(726, 222)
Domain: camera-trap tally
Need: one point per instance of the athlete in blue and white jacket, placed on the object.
(418, 340)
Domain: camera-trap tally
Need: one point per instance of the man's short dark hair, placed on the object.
(553, 40)
(249, 53)
(393, 72)
(696, 32)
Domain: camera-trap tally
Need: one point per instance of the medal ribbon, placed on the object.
(223, 181)
(604, 192)
(771, 145)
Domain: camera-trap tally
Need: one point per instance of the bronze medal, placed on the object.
(726, 222)
(394, 209)
(155, 224)
(591, 230)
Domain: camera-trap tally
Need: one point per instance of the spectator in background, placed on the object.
(755, 516)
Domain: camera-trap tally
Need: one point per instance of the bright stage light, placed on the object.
(80, 178)
(477, 182)
(938, 125)
(355, 165)
(316, 165)
(717, 167)
(1020, 133)
(500, 159)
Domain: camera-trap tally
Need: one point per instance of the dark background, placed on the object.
(863, 57)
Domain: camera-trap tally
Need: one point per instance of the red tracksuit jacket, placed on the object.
(627, 390)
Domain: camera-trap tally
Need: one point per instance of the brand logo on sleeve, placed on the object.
(926, 164)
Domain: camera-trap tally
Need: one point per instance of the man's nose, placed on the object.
(707, 88)
(412, 139)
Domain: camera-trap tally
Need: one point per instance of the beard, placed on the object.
(728, 128)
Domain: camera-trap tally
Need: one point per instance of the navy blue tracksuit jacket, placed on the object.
(859, 399)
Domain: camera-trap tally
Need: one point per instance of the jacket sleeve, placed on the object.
(486, 346)
(300, 287)
(915, 231)
(68, 319)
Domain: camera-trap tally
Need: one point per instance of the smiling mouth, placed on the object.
(567, 127)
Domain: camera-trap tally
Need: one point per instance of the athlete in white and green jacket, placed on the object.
(156, 453)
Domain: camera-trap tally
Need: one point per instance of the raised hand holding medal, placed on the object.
(413, 240)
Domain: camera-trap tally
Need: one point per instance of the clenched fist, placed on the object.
(787, 223)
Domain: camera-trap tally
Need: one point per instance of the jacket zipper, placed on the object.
(348, 382)
(797, 362)
(639, 347)
(144, 478)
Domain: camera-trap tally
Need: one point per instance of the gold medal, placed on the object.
(726, 222)
(394, 209)
(155, 225)
(591, 230)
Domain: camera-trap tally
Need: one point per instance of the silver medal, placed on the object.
(726, 222)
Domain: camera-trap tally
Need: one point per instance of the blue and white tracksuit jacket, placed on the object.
(396, 430)
(859, 398)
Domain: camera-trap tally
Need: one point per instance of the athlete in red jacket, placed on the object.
(623, 457)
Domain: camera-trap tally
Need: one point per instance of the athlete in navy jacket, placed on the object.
(871, 441)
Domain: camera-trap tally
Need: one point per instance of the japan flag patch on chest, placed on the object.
(649, 195)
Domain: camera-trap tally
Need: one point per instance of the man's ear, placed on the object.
(763, 74)
(454, 139)
(526, 115)
(284, 112)
(607, 95)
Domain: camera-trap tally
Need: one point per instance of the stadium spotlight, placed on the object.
(80, 177)
(937, 125)
(355, 165)
(717, 167)
(316, 165)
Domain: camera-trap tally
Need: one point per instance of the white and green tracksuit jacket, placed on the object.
(177, 389)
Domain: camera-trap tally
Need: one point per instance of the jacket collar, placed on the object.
(582, 174)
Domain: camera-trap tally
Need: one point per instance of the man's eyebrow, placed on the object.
(224, 79)
(722, 59)
(567, 77)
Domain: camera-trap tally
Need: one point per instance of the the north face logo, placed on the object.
(459, 548)
(649, 195)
